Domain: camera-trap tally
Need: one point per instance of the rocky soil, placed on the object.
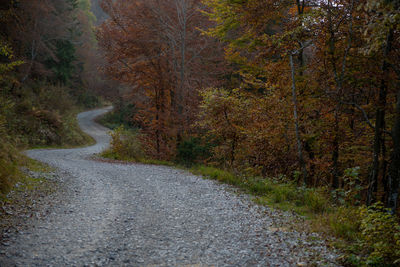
(112, 214)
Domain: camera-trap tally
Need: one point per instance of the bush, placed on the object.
(260, 186)
(284, 192)
(126, 145)
(8, 152)
(315, 200)
(122, 114)
(345, 223)
(380, 235)
(42, 115)
(192, 150)
(8, 175)
(86, 99)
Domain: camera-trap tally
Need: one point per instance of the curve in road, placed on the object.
(145, 215)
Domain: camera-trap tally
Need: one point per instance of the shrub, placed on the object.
(192, 150)
(260, 186)
(125, 144)
(8, 152)
(315, 200)
(9, 158)
(284, 192)
(352, 191)
(344, 222)
(122, 114)
(380, 235)
(8, 175)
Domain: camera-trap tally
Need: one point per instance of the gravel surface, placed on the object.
(111, 214)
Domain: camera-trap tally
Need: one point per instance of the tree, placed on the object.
(156, 48)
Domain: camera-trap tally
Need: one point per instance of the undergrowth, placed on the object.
(368, 236)
(37, 115)
(120, 115)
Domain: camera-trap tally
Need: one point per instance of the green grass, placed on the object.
(318, 212)
(285, 196)
(217, 174)
(312, 203)
(71, 136)
(35, 165)
(339, 224)
(21, 181)
(109, 154)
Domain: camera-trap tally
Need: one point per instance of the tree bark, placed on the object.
(296, 122)
(379, 124)
(394, 167)
(335, 152)
(339, 78)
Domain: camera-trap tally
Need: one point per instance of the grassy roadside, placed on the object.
(368, 237)
(30, 182)
(74, 137)
(27, 197)
(26, 182)
(312, 204)
(14, 179)
(351, 229)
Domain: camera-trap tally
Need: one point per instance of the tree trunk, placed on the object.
(379, 124)
(33, 56)
(233, 148)
(296, 122)
(373, 177)
(335, 151)
(394, 167)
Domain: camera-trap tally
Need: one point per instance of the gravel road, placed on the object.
(113, 214)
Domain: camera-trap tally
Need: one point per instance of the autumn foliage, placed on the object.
(307, 89)
(157, 48)
(48, 67)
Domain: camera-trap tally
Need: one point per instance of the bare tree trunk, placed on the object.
(33, 56)
(394, 167)
(233, 148)
(296, 122)
(384, 167)
(335, 152)
(373, 176)
(33, 53)
(182, 10)
(339, 77)
(379, 124)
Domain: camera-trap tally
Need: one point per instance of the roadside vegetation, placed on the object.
(48, 73)
(43, 116)
(295, 102)
(367, 236)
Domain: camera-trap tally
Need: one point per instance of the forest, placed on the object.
(303, 92)
(48, 72)
(295, 101)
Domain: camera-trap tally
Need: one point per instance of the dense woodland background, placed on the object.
(48, 71)
(303, 94)
(307, 89)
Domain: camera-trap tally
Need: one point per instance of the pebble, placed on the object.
(111, 214)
